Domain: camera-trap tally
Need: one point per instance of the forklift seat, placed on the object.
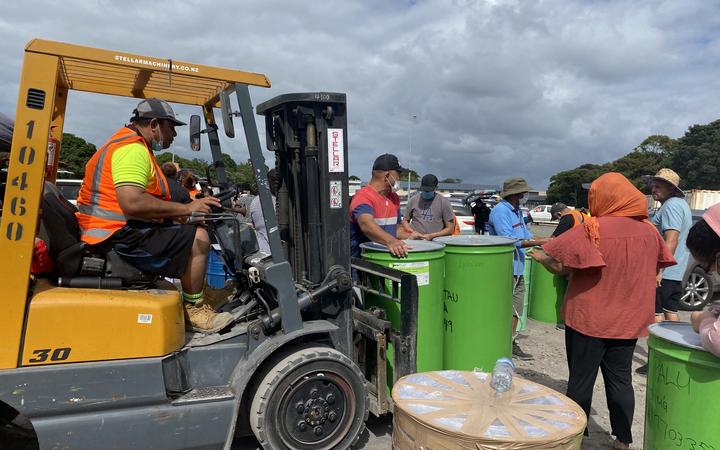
(77, 263)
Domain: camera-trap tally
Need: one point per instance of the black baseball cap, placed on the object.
(388, 162)
(154, 108)
(429, 183)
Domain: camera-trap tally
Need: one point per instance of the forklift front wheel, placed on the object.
(315, 398)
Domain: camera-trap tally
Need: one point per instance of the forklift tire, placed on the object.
(315, 398)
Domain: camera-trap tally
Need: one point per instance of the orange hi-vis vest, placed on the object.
(456, 230)
(578, 217)
(99, 214)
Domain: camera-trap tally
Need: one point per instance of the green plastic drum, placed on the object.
(478, 301)
(426, 261)
(682, 405)
(547, 293)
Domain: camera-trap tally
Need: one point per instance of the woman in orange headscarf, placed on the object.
(611, 262)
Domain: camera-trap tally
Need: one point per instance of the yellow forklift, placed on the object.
(95, 355)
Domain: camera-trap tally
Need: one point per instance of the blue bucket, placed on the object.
(215, 274)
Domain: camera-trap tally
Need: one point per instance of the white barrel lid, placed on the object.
(475, 240)
(416, 245)
(463, 404)
(679, 333)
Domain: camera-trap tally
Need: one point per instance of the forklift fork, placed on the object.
(373, 332)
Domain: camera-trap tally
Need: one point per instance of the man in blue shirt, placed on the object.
(506, 219)
(673, 220)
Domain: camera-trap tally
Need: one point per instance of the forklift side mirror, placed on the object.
(227, 114)
(195, 133)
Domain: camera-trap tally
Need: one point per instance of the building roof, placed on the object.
(467, 187)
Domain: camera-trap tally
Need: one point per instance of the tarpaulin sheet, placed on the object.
(452, 410)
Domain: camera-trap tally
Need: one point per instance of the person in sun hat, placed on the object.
(506, 219)
(673, 220)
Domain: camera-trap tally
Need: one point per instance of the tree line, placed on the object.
(76, 152)
(695, 157)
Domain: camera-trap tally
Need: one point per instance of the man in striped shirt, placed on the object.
(375, 210)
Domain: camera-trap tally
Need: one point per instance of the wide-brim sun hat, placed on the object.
(513, 186)
(668, 176)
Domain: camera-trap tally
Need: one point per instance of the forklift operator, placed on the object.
(124, 199)
(375, 210)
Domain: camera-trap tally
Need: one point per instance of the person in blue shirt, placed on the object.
(506, 219)
(673, 220)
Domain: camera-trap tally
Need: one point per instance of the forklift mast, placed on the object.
(308, 133)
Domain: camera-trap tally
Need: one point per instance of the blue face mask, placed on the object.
(428, 195)
(156, 145)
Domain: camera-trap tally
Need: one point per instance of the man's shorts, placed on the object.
(155, 248)
(518, 295)
(667, 296)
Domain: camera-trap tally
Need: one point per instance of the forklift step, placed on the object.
(205, 395)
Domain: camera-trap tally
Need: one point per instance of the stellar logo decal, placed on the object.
(161, 64)
(336, 147)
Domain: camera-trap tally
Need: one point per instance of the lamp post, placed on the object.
(412, 126)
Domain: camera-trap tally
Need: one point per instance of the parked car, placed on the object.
(541, 213)
(699, 286)
(464, 217)
(69, 189)
(526, 213)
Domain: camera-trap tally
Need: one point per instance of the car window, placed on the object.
(461, 210)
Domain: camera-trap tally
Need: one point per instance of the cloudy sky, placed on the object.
(499, 88)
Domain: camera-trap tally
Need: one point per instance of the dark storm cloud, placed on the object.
(498, 88)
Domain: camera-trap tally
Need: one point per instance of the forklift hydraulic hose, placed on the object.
(337, 280)
(269, 320)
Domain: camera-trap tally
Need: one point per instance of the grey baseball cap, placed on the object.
(557, 208)
(154, 108)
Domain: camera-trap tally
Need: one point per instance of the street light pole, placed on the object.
(412, 127)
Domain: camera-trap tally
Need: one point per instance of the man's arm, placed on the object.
(372, 231)
(404, 230)
(550, 263)
(448, 218)
(671, 238)
(447, 231)
(136, 202)
(503, 224)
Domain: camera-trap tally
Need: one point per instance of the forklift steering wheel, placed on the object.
(224, 196)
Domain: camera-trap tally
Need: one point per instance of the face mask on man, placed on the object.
(524, 198)
(157, 143)
(395, 185)
(428, 195)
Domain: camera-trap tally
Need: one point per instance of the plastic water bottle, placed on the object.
(502, 375)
